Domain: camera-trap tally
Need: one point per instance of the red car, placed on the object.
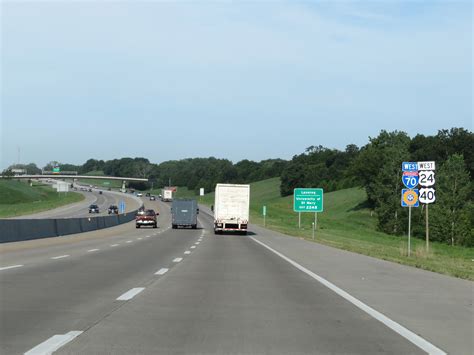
(146, 218)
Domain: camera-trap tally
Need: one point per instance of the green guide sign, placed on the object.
(308, 200)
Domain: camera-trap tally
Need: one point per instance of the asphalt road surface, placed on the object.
(163, 291)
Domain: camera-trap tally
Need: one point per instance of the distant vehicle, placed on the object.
(90, 190)
(231, 208)
(184, 213)
(152, 198)
(100, 192)
(93, 209)
(166, 195)
(146, 218)
(113, 209)
(147, 194)
(109, 189)
(139, 194)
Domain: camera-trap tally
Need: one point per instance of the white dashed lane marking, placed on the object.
(54, 343)
(114, 245)
(177, 260)
(60, 257)
(10, 267)
(130, 294)
(128, 241)
(161, 271)
(193, 247)
(92, 250)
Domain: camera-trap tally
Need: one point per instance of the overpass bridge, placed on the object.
(77, 177)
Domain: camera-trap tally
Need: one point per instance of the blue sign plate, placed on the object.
(409, 166)
(410, 198)
(410, 179)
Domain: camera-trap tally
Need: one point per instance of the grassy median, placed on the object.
(18, 198)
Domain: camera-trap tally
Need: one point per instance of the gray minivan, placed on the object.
(184, 213)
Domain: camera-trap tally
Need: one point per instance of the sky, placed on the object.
(239, 80)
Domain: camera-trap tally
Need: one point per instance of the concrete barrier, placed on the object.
(15, 230)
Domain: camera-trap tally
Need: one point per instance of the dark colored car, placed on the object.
(93, 209)
(113, 209)
(100, 192)
(147, 194)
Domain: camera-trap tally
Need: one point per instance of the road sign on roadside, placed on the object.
(410, 179)
(308, 200)
(201, 191)
(427, 195)
(427, 178)
(426, 165)
(264, 210)
(409, 166)
(410, 198)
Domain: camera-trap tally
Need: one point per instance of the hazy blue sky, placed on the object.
(171, 80)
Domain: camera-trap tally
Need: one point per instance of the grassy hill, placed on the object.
(18, 198)
(347, 224)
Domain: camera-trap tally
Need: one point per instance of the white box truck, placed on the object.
(166, 195)
(231, 208)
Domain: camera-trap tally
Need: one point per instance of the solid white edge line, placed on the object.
(162, 271)
(177, 260)
(54, 343)
(398, 328)
(10, 267)
(130, 294)
(60, 257)
(91, 250)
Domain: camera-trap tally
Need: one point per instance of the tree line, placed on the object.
(376, 167)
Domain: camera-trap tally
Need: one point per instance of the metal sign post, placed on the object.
(410, 196)
(409, 229)
(315, 222)
(264, 215)
(427, 193)
(299, 220)
(427, 230)
(313, 230)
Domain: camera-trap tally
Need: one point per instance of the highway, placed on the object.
(123, 290)
(81, 209)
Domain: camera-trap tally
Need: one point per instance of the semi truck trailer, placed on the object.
(184, 213)
(166, 195)
(231, 208)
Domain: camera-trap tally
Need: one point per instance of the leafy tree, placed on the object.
(8, 174)
(451, 214)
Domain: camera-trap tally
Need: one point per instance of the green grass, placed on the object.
(347, 224)
(18, 198)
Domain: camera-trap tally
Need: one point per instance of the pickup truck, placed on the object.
(146, 218)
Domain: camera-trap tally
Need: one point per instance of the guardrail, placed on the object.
(16, 230)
